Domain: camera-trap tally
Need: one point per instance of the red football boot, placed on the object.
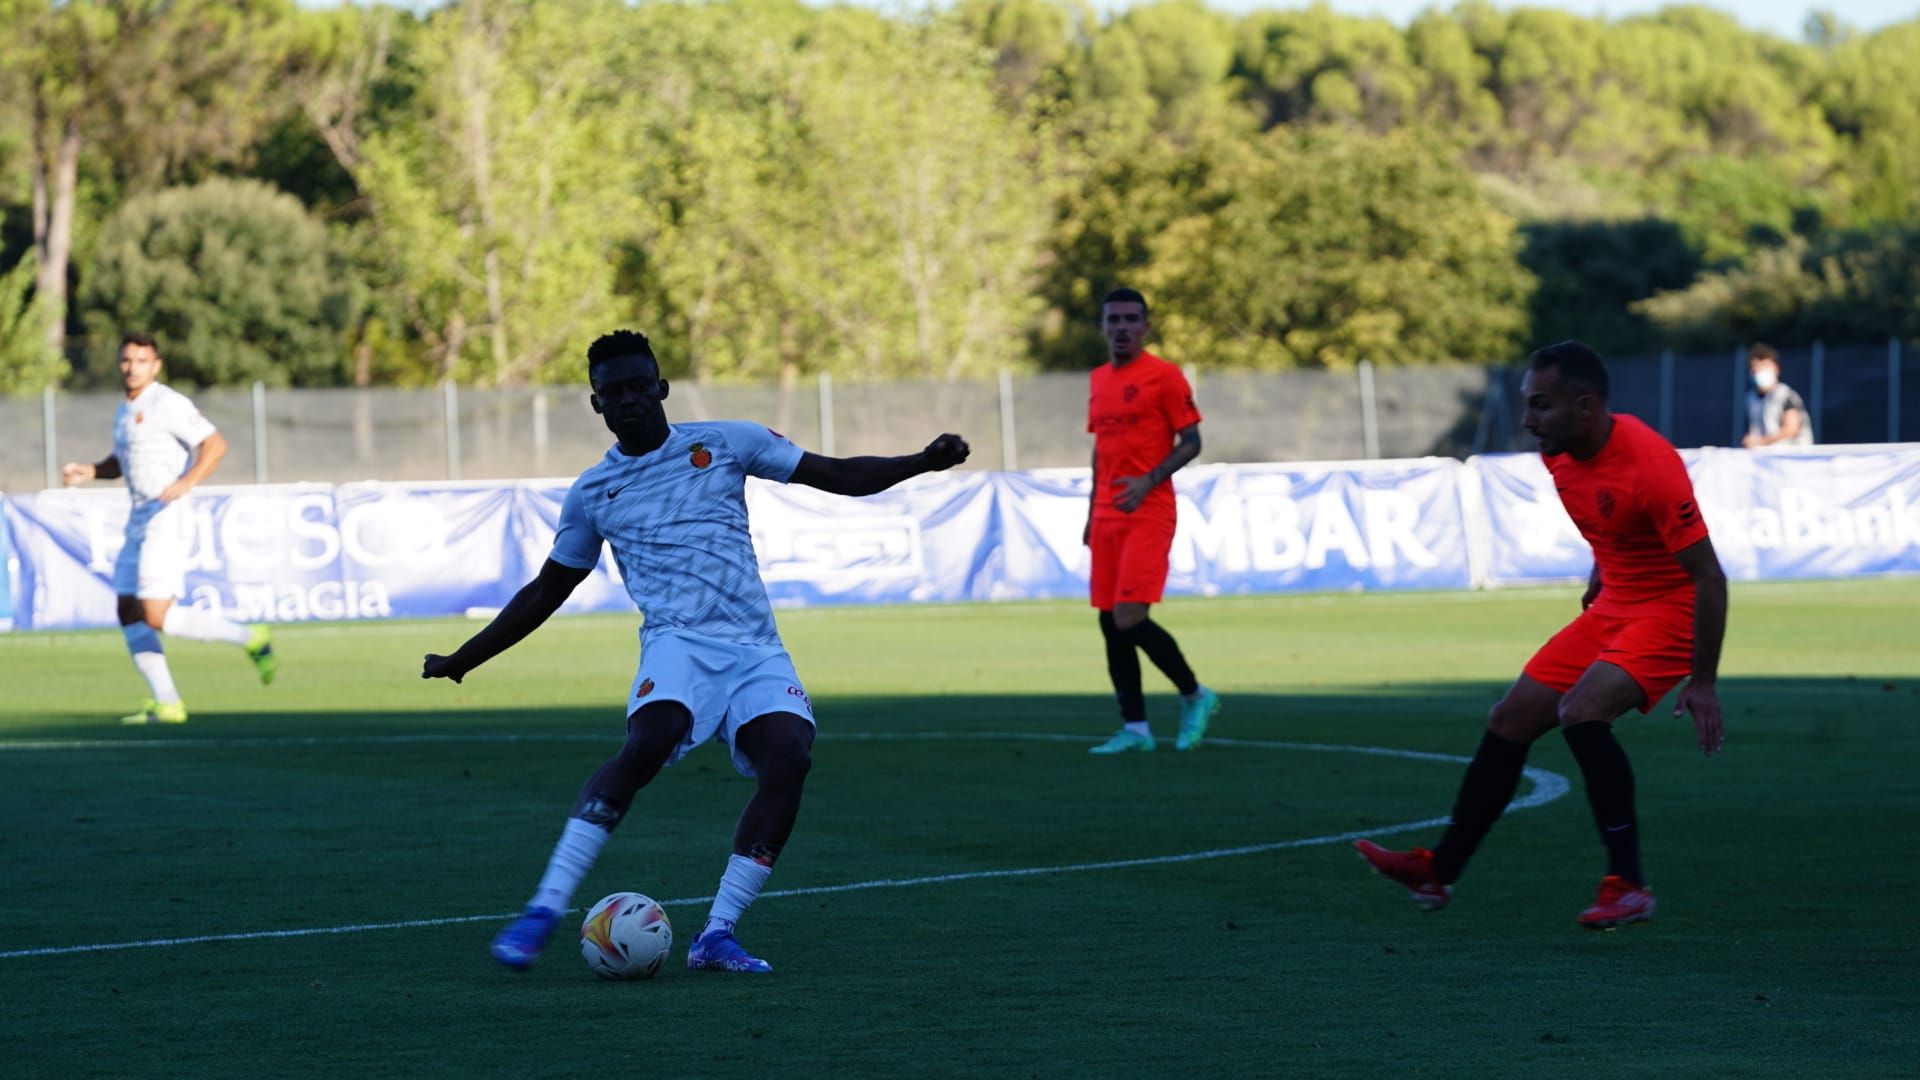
(1413, 870)
(1620, 902)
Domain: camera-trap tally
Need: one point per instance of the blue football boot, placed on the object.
(519, 944)
(717, 950)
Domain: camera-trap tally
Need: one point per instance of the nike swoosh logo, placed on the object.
(616, 491)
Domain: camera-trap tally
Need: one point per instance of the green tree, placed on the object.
(235, 278)
(1323, 249)
(1849, 286)
(27, 363)
(500, 197)
(157, 85)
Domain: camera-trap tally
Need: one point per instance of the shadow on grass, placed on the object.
(1439, 716)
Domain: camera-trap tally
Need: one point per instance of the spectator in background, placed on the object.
(1775, 413)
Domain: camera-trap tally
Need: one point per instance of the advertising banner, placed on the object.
(292, 553)
(1773, 514)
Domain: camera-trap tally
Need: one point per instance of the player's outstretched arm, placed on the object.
(866, 475)
(1699, 696)
(536, 601)
(79, 472)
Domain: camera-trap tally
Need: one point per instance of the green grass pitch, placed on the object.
(381, 827)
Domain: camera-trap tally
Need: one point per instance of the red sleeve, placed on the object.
(1176, 401)
(1666, 494)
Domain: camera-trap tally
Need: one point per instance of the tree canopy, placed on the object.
(770, 189)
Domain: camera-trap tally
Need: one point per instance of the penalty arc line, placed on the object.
(1547, 786)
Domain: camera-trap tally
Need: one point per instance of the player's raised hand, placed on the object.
(945, 452)
(75, 472)
(1703, 702)
(441, 667)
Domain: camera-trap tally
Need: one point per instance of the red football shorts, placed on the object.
(1655, 646)
(1129, 560)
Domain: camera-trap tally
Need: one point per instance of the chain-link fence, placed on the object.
(1854, 394)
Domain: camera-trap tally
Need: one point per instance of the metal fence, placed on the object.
(1858, 394)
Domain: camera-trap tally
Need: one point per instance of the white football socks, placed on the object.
(190, 622)
(579, 846)
(739, 886)
(144, 643)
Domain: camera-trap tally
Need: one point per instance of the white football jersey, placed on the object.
(677, 521)
(154, 436)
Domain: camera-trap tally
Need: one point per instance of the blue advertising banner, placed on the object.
(1775, 513)
(1811, 513)
(364, 551)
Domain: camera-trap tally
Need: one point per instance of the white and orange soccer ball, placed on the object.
(626, 936)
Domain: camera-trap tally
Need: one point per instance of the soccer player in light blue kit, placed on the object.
(671, 502)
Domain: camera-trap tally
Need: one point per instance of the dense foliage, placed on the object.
(773, 189)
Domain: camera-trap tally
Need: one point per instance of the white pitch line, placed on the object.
(1547, 786)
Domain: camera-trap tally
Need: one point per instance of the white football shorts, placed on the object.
(153, 562)
(723, 684)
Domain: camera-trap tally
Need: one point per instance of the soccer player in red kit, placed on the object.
(1145, 427)
(1653, 615)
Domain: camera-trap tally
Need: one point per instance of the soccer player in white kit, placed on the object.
(156, 434)
(671, 502)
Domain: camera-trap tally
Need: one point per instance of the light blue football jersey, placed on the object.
(677, 522)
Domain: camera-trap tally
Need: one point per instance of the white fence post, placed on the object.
(540, 435)
(259, 432)
(48, 436)
(450, 394)
(1009, 451)
(826, 414)
(1369, 420)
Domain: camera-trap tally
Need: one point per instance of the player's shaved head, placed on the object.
(1580, 367)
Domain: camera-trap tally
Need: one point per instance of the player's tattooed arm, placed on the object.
(536, 601)
(867, 475)
(1134, 489)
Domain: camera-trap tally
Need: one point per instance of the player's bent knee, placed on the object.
(1517, 724)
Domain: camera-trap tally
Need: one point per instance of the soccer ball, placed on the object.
(626, 936)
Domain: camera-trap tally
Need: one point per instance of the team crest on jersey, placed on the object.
(700, 456)
(1131, 392)
(1604, 502)
(645, 688)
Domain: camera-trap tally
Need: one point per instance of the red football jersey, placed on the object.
(1134, 412)
(1634, 503)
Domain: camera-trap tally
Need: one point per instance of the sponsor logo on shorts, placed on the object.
(645, 688)
(700, 456)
